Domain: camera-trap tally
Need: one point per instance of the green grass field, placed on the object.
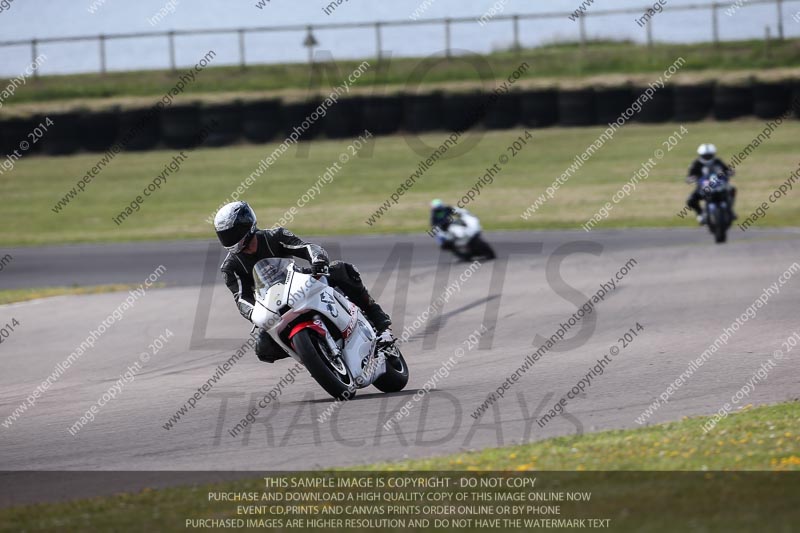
(180, 209)
(764, 438)
(557, 63)
(8, 296)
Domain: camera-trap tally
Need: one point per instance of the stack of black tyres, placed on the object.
(771, 99)
(14, 131)
(461, 111)
(423, 112)
(576, 107)
(693, 102)
(180, 125)
(221, 123)
(262, 120)
(660, 107)
(63, 136)
(344, 119)
(382, 115)
(99, 130)
(732, 101)
(299, 117)
(795, 102)
(610, 102)
(139, 129)
(539, 108)
(503, 111)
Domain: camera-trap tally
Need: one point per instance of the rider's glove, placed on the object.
(319, 266)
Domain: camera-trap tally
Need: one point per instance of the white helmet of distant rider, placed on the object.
(707, 152)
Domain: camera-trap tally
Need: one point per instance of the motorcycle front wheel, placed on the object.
(481, 248)
(327, 369)
(396, 377)
(718, 224)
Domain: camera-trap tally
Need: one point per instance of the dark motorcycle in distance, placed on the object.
(717, 210)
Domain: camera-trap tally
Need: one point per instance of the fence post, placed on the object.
(767, 39)
(378, 41)
(650, 32)
(582, 26)
(447, 38)
(310, 42)
(34, 55)
(102, 40)
(172, 65)
(242, 60)
(517, 45)
(779, 6)
(715, 23)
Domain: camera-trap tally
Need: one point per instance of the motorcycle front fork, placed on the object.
(334, 348)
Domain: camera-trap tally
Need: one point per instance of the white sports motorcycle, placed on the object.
(323, 330)
(463, 237)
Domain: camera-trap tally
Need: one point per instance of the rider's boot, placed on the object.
(348, 279)
(382, 324)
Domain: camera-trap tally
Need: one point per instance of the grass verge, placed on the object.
(763, 438)
(183, 205)
(8, 296)
(562, 61)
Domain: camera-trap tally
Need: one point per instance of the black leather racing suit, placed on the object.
(237, 270)
(442, 216)
(699, 169)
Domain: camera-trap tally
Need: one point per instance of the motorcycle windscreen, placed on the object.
(269, 272)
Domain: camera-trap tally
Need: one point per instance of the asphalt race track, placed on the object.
(683, 289)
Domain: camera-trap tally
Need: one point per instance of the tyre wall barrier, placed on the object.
(299, 117)
(732, 101)
(382, 115)
(693, 102)
(795, 102)
(64, 136)
(576, 107)
(461, 111)
(771, 100)
(503, 113)
(14, 131)
(98, 131)
(539, 108)
(423, 112)
(221, 123)
(344, 119)
(260, 121)
(660, 108)
(610, 102)
(139, 129)
(180, 125)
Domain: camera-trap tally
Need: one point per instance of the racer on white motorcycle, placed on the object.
(235, 224)
(459, 231)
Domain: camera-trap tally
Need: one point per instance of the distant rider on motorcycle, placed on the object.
(459, 231)
(235, 224)
(707, 163)
(441, 217)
